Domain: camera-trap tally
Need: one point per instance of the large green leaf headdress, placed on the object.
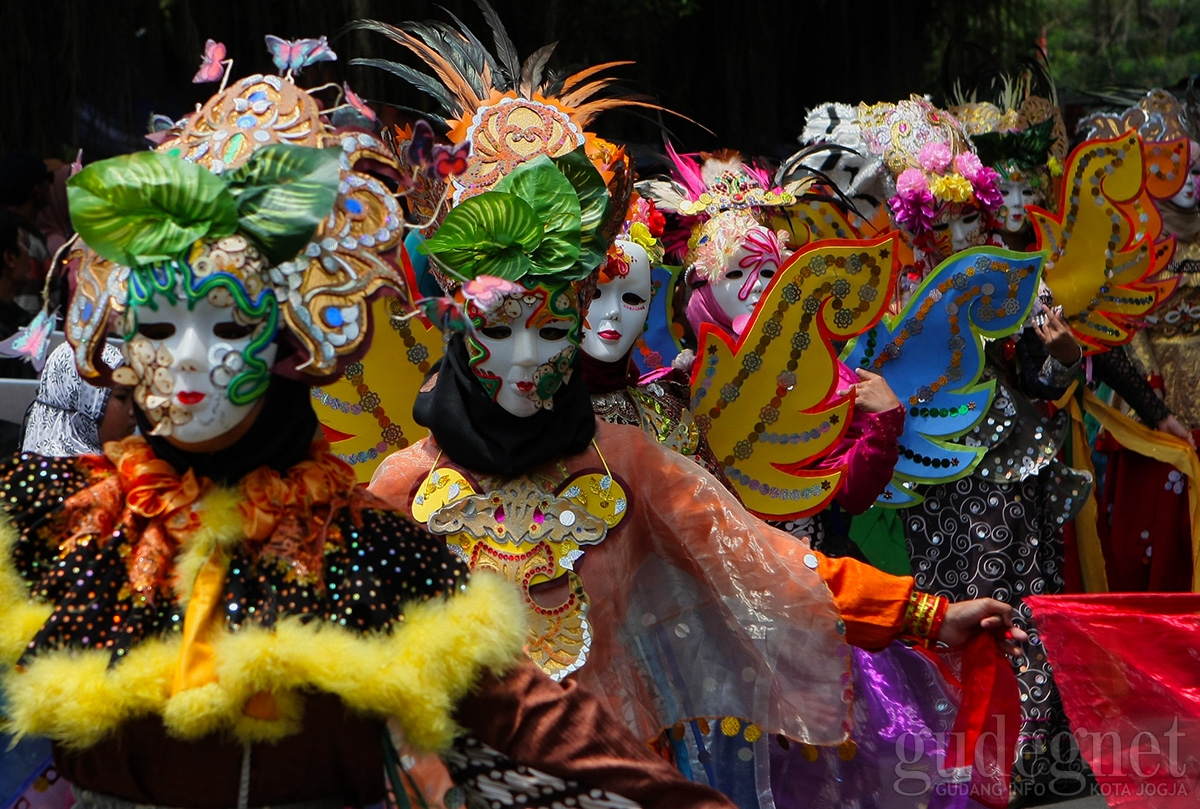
(543, 223)
(175, 229)
(257, 165)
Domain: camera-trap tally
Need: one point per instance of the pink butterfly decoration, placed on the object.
(295, 55)
(487, 291)
(212, 64)
(359, 105)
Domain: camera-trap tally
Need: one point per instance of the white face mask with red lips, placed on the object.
(529, 351)
(181, 361)
(619, 309)
(1017, 196)
(1186, 197)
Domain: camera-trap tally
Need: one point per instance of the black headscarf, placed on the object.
(279, 438)
(482, 436)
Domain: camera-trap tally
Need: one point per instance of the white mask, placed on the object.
(619, 309)
(182, 360)
(966, 230)
(522, 352)
(1016, 196)
(1186, 196)
(747, 273)
(956, 228)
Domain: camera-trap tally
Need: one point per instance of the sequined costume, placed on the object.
(997, 533)
(658, 405)
(332, 575)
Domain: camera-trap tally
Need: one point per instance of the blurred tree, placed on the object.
(1095, 44)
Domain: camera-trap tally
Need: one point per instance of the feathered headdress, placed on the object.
(721, 199)
(483, 98)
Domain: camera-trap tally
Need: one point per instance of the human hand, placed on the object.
(871, 393)
(966, 619)
(1171, 426)
(1056, 336)
(683, 360)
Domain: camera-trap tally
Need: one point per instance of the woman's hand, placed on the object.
(1056, 336)
(871, 393)
(1171, 426)
(966, 619)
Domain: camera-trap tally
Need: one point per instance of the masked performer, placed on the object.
(1151, 548)
(995, 531)
(646, 580)
(214, 614)
(731, 259)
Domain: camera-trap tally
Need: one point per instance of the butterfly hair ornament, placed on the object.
(260, 195)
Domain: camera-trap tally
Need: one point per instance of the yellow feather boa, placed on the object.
(415, 674)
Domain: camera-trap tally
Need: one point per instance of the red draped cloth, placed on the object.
(1128, 669)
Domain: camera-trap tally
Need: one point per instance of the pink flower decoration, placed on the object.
(935, 157)
(986, 184)
(968, 165)
(911, 181)
(914, 212)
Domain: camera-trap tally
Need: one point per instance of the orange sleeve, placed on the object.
(872, 603)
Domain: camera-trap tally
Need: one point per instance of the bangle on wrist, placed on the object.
(924, 616)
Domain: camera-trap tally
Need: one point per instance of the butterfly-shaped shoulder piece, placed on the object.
(931, 355)
(292, 56)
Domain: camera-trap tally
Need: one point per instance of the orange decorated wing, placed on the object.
(1101, 246)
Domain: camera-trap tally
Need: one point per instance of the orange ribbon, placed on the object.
(322, 480)
(148, 487)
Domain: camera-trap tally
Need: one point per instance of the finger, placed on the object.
(845, 391)
(864, 374)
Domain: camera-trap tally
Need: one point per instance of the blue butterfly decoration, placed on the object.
(292, 56)
(931, 355)
(31, 343)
